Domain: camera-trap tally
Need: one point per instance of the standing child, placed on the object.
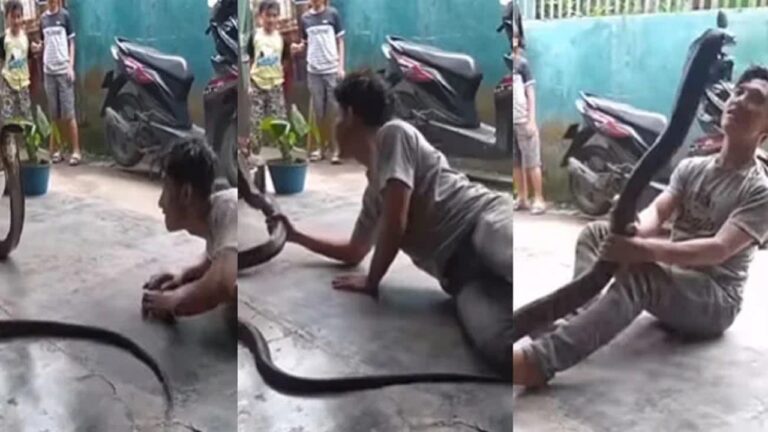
(267, 52)
(59, 75)
(527, 151)
(15, 50)
(322, 36)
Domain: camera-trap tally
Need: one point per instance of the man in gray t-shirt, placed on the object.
(188, 204)
(692, 281)
(59, 76)
(457, 231)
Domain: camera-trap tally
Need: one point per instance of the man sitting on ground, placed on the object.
(456, 231)
(188, 204)
(693, 281)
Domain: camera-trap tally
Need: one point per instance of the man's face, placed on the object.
(746, 112)
(317, 4)
(175, 203)
(54, 4)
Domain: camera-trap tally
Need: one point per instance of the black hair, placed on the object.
(367, 95)
(753, 72)
(191, 162)
(13, 6)
(267, 5)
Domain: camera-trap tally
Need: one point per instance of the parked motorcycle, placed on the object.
(435, 91)
(613, 137)
(145, 109)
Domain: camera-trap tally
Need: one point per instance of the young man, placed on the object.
(527, 149)
(188, 204)
(322, 34)
(693, 281)
(59, 75)
(456, 231)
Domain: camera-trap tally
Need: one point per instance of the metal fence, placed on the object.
(558, 9)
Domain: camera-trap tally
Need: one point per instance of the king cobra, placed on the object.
(703, 57)
(11, 329)
(251, 337)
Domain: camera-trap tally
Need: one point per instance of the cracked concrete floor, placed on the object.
(317, 332)
(645, 380)
(86, 249)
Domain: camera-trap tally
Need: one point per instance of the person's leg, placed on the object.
(685, 299)
(531, 162)
(54, 112)
(8, 111)
(69, 117)
(331, 108)
(317, 100)
(257, 114)
(25, 104)
(484, 307)
(517, 173)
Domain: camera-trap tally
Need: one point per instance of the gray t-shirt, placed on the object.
(57, 31)
(521, 79)
(712, 196)
(445, 206)
(320, 31)
(222, 223)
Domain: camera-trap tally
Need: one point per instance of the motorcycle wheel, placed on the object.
(11, 171)
(125, 151)
(227, 166)
(587, 197)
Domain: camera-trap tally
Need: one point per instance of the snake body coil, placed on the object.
(252, 338)
(702, 56)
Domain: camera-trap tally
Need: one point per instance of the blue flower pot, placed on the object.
(288, 178)
(35, 179)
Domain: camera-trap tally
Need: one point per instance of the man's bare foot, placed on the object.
(525, 372)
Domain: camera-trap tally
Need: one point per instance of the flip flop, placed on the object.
(74, 160)
(56, 158)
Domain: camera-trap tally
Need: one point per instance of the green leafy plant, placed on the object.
(287, 135)
(36, 133)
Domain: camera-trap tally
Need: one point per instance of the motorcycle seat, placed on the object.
(646, 120)
(174, 66)
(457, 63)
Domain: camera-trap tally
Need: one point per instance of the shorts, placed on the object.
(16, 103)
(60, 91)
(526, 148)
(321, 88)
(265, 103)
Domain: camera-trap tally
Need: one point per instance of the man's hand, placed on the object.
(36, 46)
(160, 305)
(297, 48)
(342, 73)
(531, 127)
(625, 250)
(163, 282)
(357, 283)
(71, 74)
(290, 230)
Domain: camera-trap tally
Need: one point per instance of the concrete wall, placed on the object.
(173, 26)
(634, 59)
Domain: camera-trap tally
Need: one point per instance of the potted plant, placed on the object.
(288, 173)
(35, 171)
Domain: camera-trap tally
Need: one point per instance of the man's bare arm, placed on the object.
(659, 211)
(212, 289)
(195, 272)
(397, 197)
(700, 252)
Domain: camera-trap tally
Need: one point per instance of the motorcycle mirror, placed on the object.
(722, 20)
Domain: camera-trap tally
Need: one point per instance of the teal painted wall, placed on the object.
(467, 26)
(635, 59)
(173, 26)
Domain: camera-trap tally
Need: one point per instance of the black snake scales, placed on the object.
(252, 338)
(702, 60)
